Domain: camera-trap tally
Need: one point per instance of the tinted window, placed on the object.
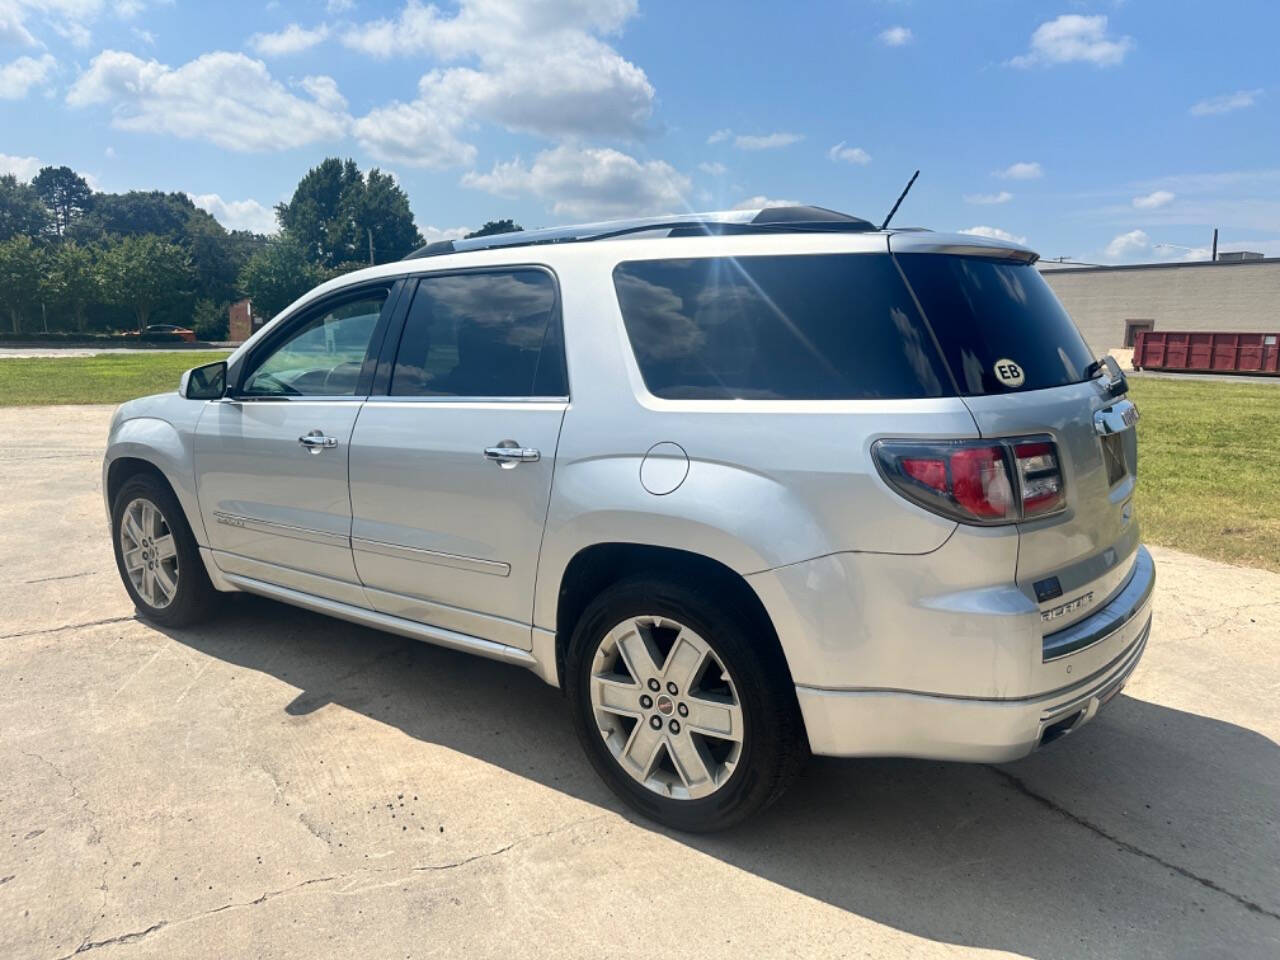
(987, 311)
(482, 335)
(831, 326)
(321, 358)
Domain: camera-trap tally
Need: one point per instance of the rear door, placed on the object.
(451, 465)
(1023, 369)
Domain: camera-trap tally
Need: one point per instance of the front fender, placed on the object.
(169, 449)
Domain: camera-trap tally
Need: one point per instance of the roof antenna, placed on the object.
(903, 196)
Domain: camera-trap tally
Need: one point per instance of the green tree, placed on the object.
(336, 214)
(144, 273)
(22, 213)
(136, 212)
(71, 282)
(210, 320)
(21, 269)
(277, 275)
(496, 226)
(66, 195)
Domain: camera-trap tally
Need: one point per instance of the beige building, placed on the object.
(1110, 304)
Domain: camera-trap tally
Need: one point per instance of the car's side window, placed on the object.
(323, 356)
(484, 334)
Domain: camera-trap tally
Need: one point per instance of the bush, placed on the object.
(210, 320)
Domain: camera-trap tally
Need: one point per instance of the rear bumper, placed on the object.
(864, 723)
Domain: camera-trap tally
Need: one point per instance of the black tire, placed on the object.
(774, 747)
(193, 600)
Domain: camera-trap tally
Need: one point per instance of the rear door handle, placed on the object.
(315, 441)
(508, 454)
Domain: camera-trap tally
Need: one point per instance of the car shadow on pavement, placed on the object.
(1163, 818)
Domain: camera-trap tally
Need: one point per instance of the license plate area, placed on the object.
(1113, 457)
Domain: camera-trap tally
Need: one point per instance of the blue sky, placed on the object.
(1105, 131)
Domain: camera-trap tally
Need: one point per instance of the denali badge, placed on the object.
(1009, 373)
(1062, 609)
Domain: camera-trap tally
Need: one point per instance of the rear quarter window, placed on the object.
(801, 327)
(985, 312)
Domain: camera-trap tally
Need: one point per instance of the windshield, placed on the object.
(999, 325)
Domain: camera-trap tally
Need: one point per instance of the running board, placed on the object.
(383, 621)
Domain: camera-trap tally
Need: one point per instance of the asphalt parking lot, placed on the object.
(277, 784)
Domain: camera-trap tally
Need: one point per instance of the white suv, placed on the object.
(744, 485)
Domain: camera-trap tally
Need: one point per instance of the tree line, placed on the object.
(77, 260)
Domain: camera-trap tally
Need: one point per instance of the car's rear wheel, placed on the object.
(682, 704)
(156, 554)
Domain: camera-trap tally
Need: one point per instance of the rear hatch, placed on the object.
(1023, 369)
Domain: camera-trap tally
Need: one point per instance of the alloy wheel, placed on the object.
(666, 707)
(150, 553)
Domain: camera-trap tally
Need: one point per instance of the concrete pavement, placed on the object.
(277, 784)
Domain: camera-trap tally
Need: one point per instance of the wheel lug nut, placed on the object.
(683, 709)
(654, 685)
(656, 722)
(646, 701)
(671, 688)
(674, 726)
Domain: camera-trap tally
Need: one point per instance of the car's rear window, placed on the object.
(988, 314)
(802, 327)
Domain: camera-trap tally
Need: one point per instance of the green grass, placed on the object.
(1209, 451)
(106, 378)
(1209, 468)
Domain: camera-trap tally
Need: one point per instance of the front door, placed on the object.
(451, 468)
(271, 459)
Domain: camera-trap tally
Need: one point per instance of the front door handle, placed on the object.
(315, 441)
(509, 454)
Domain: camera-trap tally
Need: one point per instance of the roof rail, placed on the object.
(796, 219)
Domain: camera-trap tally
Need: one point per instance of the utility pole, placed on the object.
(369, 230)
(1214, 258)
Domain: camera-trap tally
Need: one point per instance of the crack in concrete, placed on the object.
(66, 626)
(1020, 785)
(136, 935)
(65, 576)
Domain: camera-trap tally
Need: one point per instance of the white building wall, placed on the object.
(1229, 297)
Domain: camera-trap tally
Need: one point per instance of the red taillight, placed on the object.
(980, 482)
(975, 481)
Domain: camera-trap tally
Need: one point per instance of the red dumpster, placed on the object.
(1207, 352)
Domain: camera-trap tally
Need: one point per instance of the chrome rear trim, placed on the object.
(1122, 608)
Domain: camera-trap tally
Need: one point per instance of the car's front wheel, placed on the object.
(157, 555)
(683, 705)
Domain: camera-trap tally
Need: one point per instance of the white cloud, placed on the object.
(228, 99)
(436, 234)
(589, 183)
(144, 36)
(995, 233)
(24, 168)
(1020, 171)
(69, 19)
(761, 202)
(237, 214)
(1073, 38)
(896, 36)
(1225, 103)
(540, 69)
(713, 168)
(1128, 245)
(767, 141)
(720, 136)
(19, 77)
(1154, 200)
(292, 39)
(988, 199)
(842, 154)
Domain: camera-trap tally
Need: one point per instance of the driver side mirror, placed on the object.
(204, 383)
